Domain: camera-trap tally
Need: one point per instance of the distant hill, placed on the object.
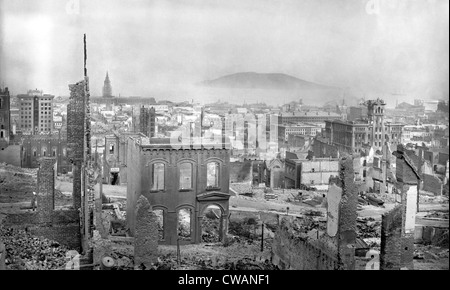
(266, 81)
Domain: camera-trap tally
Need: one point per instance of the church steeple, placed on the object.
(107, 89)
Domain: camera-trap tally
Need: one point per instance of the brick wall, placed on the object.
(292, 251)
(46, 186)
(432, 184)
(396, 249)
(76, 114)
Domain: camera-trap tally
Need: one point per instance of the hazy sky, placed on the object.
(402, 48)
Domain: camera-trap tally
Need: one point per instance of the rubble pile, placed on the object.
(368, 228)
(169, 262)
(210, 230)
(430, 253)
(28, 252)
(424, 198)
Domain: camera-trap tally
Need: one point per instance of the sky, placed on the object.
(379, 46)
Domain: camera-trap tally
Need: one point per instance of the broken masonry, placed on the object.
(398, 225)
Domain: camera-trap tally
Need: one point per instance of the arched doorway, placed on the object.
(212, 224)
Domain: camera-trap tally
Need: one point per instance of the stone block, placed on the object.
(146, 234)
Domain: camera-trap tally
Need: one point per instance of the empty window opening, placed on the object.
(158, 176)
(185, 176)
(212, 174)
(184, 224)
(160, 223)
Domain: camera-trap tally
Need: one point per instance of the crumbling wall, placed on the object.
(397, 251)
(76, 114)
(336, 248)
(299, 252)
(432, 184)
(398, 225)
(46, 187)
(347, 213)
(62, 225)
(146, 234)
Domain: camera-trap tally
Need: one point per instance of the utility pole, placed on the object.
(262, 237)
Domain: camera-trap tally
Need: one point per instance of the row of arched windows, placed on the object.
(186, 177)
(44, 151)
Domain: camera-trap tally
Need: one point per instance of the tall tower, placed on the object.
(5, 117)
(107, 89)
(376, 119)
(147, 121)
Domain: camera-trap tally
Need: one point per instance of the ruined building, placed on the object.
(180, 182)
(333, 249)
(5, 118)
(61, 225)
(309, 172)
(147, 121)
(115, 157)
(37, 146)
(398, 225)
(79, 150)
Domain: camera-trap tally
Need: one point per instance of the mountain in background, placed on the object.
(267, 81)
(271, 88)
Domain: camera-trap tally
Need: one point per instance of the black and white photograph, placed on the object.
(211, 135)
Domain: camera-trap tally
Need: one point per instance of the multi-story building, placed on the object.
(5, 118)
(115, 157)
(36, 112)
(315, 172)
(180, 183)
(37, 146)
(374, 131)
(284, 130)
(147, 121)
(307, 117)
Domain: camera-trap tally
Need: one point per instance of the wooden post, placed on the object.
(262, 237)
(178, 252)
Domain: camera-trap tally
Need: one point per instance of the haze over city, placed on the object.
(162, 48)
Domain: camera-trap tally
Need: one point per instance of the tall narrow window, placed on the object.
(212, 179)
(158, 176)
(185, 176)
(160, 222)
